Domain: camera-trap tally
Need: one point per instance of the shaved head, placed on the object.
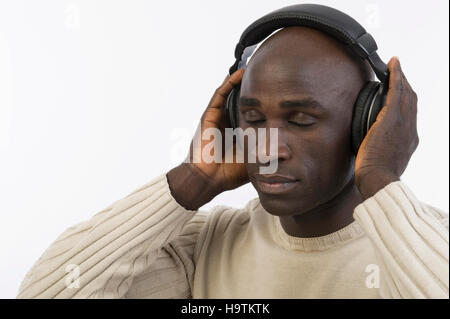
(302, 53)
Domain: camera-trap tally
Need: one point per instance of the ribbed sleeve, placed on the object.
(146, 237)
(411, 243)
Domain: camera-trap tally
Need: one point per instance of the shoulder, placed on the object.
(210, 224)
(405, 197)
(222, 218)
(399, 190)
(217, 220)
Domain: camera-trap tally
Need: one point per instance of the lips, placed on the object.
(275, 183)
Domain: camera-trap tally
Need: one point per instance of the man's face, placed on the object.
(304, 84)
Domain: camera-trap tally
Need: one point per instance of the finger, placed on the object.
(224, 80)
(233, 80)
(406, 97)
(411, 105)
(405, 80)
(221, 93)
(215, 111)
(409, 113)
(405, 104)
(408, 107)
(396, 85)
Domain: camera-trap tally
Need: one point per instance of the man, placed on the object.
(326, 225)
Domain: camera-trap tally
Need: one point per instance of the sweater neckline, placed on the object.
(346, 234)
(341, 236)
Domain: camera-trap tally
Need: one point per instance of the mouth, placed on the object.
(275, 184)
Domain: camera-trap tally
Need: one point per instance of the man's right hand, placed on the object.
(193, 184)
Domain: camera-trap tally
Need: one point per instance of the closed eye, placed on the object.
(301, 124)
(255, 121)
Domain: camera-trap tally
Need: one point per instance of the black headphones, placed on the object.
(337, 24)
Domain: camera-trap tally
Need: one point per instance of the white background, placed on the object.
(99, 97)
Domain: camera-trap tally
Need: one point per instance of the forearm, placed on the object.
(97, 255)
(190, 187)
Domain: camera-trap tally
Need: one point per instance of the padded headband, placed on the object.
(326, 19)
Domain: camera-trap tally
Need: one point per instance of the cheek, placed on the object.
(336, 158)
(326, 154)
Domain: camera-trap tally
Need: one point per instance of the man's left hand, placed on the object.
(392, 139)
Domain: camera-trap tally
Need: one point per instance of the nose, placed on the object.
(272, 145)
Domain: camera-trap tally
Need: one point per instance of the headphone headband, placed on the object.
(326, 19)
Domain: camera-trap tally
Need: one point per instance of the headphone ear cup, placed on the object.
(231, 107)
(365, 107)
(237, 92)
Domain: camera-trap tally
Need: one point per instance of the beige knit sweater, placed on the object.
(148, 246)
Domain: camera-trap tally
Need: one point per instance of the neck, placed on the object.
(326, 218)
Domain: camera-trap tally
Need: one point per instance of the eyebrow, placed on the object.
(301, 103)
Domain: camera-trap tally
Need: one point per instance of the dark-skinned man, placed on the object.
(337, 227)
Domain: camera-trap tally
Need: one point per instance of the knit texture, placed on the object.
(146, 245)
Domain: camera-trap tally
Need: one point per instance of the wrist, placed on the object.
(371, 182)
(190, 187)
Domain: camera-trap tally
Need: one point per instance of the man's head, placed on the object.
(304, 83)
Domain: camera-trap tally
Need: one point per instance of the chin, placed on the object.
(279, 205)
(285, 204)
